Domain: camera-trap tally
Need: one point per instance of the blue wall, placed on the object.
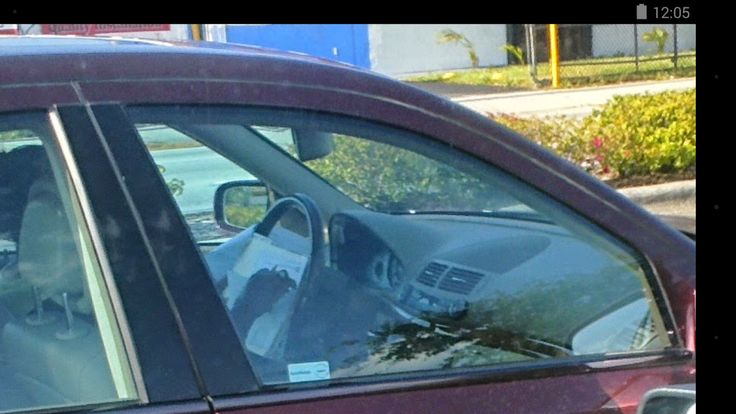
(351, 40)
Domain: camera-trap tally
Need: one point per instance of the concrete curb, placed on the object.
(678, 191)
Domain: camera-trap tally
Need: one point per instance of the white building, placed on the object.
(404, 49)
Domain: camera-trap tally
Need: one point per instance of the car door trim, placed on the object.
(414, 381)
(154, 332)
(99, 250)
(221, 365)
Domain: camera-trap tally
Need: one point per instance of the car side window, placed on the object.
(60, 344)
(391, 253)
(193, 172)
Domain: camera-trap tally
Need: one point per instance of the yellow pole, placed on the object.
(197, 32)
(554, 55)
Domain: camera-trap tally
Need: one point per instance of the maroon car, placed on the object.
(198, 228)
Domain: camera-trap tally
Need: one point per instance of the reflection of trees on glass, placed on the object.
(453, 346)
(536, 321)
(553, 310)
(387, 178)
(242, 207)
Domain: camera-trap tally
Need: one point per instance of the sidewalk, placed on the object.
(676, 199)
(576, 102)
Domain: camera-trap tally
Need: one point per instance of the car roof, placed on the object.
(29, 45)
(54, 59)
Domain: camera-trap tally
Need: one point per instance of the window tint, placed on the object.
(59, 339)
(432, 261)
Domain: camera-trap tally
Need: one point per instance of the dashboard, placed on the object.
(454, 270)
(500, 284)
(429, 266)
(480, 288)
(357, 252)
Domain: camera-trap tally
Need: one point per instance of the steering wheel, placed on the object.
(314, 224)
(296, 215)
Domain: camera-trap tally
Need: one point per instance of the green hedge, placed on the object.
(386, 178)
(631, 135)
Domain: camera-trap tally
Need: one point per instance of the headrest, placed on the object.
(47, 253)
(19, 168)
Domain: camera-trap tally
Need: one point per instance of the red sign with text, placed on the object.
(93, 29)
(8, 29)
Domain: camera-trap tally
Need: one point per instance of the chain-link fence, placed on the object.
(603, 53)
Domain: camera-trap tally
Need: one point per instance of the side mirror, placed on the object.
(240, 204)
(675, 399)
(312, 144)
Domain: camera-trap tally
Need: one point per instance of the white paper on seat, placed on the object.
(260, 254)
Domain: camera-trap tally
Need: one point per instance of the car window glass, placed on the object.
(60, 344)
(192, 173)
(390, 179)
(430, 260)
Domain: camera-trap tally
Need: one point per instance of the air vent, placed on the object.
(460, 281)
(431, 274)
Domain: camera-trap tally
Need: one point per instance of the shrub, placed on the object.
(643, 134)
(241, 209)
(631, 135)
(384, 178)
(560, 134)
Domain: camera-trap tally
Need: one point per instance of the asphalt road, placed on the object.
(202, 171)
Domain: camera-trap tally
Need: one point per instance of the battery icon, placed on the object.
(641, 12)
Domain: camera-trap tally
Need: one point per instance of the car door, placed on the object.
(601, 380)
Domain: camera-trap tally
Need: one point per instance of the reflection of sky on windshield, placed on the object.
(615, 330)
(280, 136)
(6, 146)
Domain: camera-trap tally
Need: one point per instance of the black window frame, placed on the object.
(219, 367)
